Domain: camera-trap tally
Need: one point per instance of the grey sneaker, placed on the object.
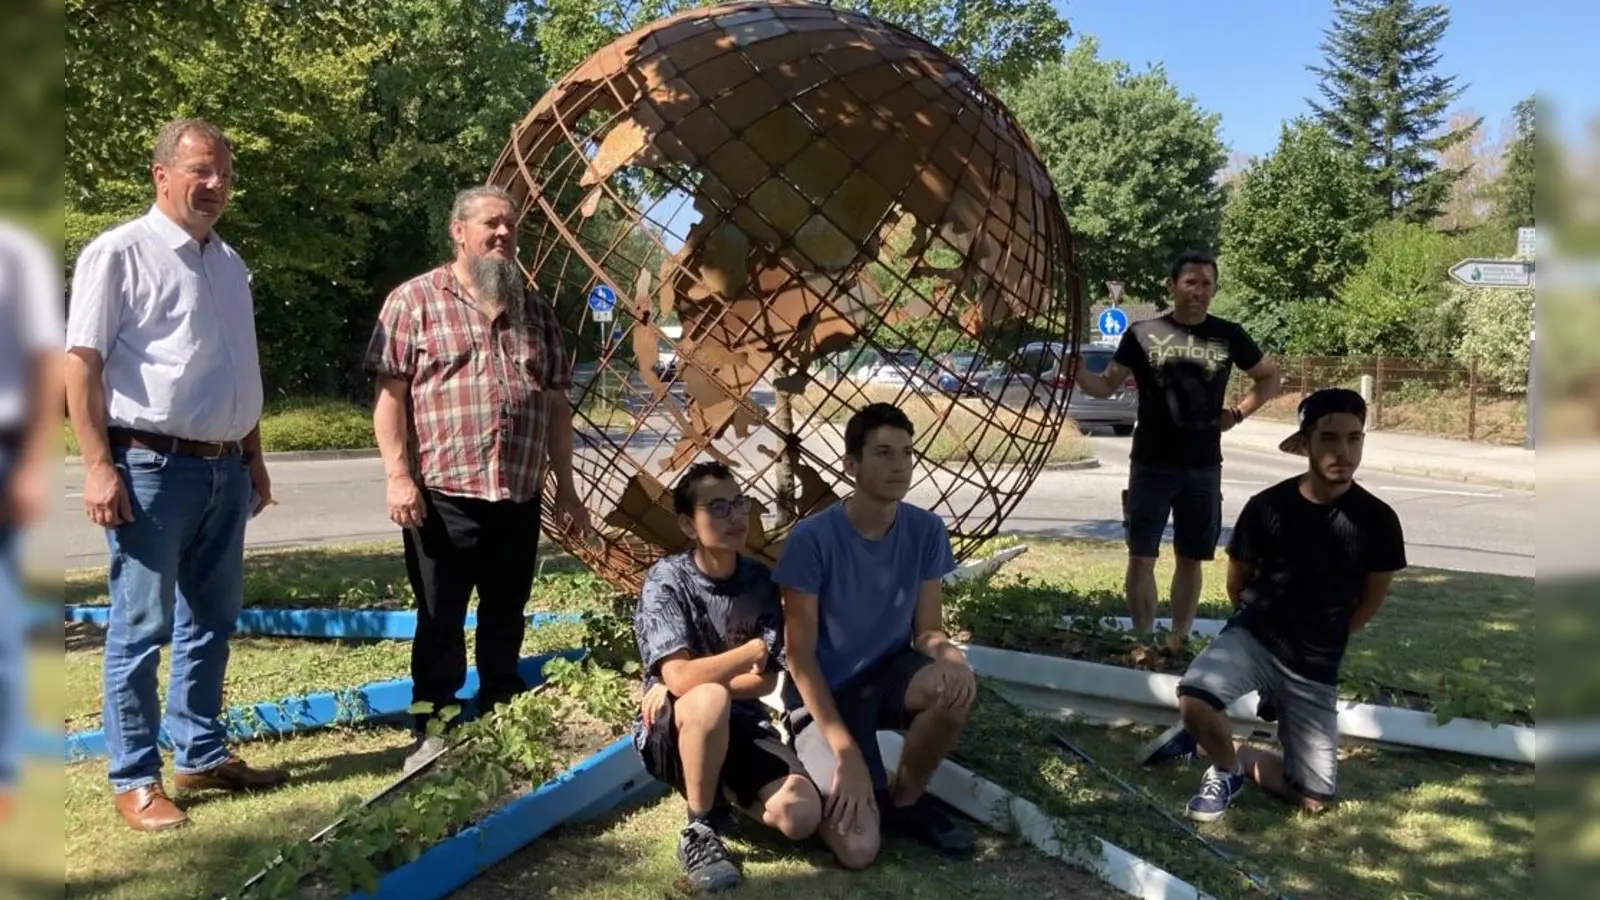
(424, 753)
(707, 865)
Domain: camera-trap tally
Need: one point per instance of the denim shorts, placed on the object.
(1191, 495)
(1236, 664)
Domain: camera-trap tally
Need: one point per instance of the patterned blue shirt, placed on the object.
(683, 609)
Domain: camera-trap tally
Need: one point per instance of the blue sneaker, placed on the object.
(1173, 744)
(1217, 791)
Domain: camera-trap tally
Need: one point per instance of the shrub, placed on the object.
(1495, 325)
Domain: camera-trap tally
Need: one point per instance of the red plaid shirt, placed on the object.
(479, 414)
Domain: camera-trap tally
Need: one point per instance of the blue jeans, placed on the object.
(13, 718)
(177, 576)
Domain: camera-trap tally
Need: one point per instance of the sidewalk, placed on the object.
(1409, 454)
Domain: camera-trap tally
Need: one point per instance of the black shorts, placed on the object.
(874, 700)
(1192, 496)
(756, 756)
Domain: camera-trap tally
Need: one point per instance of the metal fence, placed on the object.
(1442, 398)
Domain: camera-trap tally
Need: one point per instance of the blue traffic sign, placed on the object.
(602, 299)
(1112, 322)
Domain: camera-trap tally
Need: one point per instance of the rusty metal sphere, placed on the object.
(821, 201)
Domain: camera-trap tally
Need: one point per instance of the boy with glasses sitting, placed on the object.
(710, 633)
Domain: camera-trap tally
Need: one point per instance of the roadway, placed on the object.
(1448, 524)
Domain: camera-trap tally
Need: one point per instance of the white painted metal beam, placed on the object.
(1358, 720)
(1007, 813)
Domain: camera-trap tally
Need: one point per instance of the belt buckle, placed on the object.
(222, 448)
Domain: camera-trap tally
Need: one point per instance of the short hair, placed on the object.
(172, 133)
(465, 199)
(870, 418)
(685, 494)
(1193, 258)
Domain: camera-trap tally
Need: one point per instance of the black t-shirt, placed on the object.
(1311, 561)
(683, 608)
(1182, 373)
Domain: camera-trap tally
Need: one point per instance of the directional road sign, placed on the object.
(1112, 322)
(1115, 287)
(602, 299)
(1511, 273)
(1527, 242)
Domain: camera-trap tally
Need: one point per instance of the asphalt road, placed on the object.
(1448, 525)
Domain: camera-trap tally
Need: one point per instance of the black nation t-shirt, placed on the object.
(1311, 561)
(1182, 374)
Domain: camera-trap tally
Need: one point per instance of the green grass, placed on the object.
(361, 576)
(262, 669)
(1407, 825)
(1432, 622)
(629, 855)
(298, 424)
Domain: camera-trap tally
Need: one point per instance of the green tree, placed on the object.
(1134, 161)
(1496, 323)
(1384, 102)
(1001, 41)
(1296, 227)
(1514, 191)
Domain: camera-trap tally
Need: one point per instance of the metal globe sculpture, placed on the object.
(819, 199)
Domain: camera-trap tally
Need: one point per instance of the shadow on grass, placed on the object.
(1408, 824)
(230, 836)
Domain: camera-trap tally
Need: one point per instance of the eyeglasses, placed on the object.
(721, 509)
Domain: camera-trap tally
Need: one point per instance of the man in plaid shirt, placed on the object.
(471, 414)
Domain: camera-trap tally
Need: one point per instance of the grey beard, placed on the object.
(499, 284)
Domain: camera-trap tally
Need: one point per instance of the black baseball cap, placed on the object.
(1317, 404)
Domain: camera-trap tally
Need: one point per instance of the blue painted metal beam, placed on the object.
(363, 624)
(377, 700)
(606, 778)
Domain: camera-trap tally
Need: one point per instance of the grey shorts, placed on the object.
(1308, 717)
(1191, 496)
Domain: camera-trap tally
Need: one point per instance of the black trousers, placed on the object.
(465, 543)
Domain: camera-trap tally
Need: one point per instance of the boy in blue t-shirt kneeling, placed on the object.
(862, 586)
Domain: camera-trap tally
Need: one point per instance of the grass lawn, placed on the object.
(361, 576)
(630, 855)
(1464, 640)
(1409, 824)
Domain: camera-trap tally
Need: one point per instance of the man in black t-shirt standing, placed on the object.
(1310, 561)
(1180, 363)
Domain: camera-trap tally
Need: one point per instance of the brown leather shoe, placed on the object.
(148, 809)
(232, 775)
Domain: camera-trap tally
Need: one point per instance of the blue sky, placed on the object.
(1246, 59)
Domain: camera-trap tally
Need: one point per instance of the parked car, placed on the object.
(1037, 371)
(956, 374)
(893, 368)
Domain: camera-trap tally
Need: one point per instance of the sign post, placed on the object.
(602, 303)
(1112, 322)
(1509, 273)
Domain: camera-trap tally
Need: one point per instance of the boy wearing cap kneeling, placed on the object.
(1309, 561)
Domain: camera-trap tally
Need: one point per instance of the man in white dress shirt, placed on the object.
(164, 390)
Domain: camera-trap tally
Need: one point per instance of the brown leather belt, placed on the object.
(162, 443)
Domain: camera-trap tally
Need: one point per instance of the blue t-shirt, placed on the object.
(683, 608)
(866, 590)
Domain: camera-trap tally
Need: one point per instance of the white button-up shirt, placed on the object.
(174, 322)
(30, 318)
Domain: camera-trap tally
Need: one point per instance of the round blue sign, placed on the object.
(1112, 322)
(602, 298)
